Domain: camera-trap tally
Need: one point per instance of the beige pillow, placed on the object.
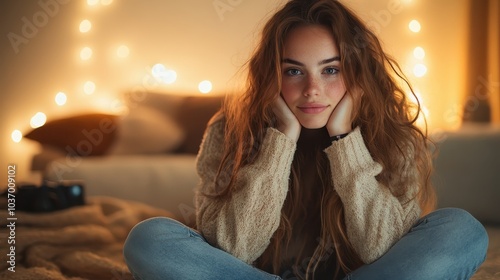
(145, 130)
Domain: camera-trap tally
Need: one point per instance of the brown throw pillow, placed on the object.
(82, 135)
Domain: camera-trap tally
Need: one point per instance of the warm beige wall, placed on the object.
(196, 40)
(494, 58)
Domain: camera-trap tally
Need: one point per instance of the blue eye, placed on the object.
(331, 71)
(293, 72)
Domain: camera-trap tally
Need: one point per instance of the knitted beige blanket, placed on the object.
(83, 242)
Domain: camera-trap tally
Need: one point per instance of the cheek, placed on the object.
(335, 92)
(289, 92)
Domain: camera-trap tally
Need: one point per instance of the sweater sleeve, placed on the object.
(375, 218)
(243, 223)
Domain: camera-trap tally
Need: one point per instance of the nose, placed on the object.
(312, 86)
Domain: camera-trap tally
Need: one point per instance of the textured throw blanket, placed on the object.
(83, 242)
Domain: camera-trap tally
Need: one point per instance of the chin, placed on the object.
(313, 124)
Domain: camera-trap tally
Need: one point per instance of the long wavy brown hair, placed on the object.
(383, 113)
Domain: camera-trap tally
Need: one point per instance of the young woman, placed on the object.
(316, 172)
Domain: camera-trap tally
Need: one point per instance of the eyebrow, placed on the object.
(324, 61)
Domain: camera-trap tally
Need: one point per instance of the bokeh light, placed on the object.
(414, 26)
(60, 98)
(419, 53)
(92, 2)
(122, 51)
(16, 136)
(205, 86)
(85, 26)
(38, 120)
(166, 76)
(86, 53)
(419, 70)
(89, 87)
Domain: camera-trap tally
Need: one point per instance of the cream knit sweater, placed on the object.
(243, 224)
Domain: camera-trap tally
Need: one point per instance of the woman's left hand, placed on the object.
(340, 121)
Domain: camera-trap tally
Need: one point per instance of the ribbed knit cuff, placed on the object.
(277, 151)
(349, 155)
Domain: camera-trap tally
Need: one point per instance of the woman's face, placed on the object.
(312, 84)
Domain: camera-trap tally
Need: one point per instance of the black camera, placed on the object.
(50, 196)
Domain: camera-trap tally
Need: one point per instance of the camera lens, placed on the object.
(75, 190)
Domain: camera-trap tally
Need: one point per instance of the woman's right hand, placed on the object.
(288, 123)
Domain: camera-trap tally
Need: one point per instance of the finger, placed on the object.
(278, 105)
(342, 100)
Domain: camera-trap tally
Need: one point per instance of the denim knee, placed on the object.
(145, 236)
(460, 237)
(474, 232)
(446, 244)
(461, 225)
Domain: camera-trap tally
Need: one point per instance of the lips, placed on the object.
(312, 108)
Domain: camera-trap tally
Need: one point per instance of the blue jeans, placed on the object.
(446, 244)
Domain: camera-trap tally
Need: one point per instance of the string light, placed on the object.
(60, 98)
(89, 87)
(205, 86)
(38, 120)
(86, 53)
(16, 136)
(85, 26)
(414, 26)
(163, 74)
(157, 69)
(92, 2)
(419, 70)
(122, 51)
(419, 53)
(417, 99)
